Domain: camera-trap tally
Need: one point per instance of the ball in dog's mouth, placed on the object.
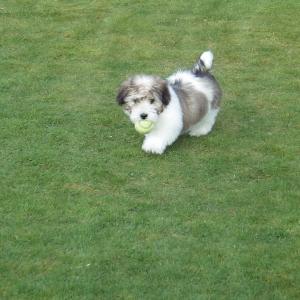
(144, 126)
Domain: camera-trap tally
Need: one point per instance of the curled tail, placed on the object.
(204, 64)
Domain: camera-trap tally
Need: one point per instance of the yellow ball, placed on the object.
(144, 126)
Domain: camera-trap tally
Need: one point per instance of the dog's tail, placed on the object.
(204, 64)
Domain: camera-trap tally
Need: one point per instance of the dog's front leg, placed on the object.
(157, 142)
(154, 144)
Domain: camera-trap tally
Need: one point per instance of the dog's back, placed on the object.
(202, 70)
(197, 90)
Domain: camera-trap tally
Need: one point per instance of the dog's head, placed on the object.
(143, 97)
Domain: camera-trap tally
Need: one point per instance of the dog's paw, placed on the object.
(154, 145)
(200, 131)
(203, 130)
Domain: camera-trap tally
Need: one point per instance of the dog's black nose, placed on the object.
(144, 116)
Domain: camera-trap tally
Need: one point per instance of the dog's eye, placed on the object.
(135, 101)
(152, 101)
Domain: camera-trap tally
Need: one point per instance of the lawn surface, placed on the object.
(85, 214)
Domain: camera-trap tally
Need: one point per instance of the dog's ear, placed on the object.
(122, 93)
(164, 93)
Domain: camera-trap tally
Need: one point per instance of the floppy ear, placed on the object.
(122, 93)
(164, 93)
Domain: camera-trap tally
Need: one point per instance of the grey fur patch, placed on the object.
(194, 104)
(215, 86)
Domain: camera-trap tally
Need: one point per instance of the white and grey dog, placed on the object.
(186, 102)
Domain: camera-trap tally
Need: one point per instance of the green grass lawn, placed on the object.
(85, 214)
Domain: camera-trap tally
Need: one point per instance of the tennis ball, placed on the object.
(144, 126)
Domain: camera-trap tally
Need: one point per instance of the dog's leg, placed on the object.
(154, 144)
(157, 141)
(205, 125)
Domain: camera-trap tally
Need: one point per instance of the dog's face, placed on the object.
(143, 97)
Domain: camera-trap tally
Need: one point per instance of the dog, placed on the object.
(187, 102)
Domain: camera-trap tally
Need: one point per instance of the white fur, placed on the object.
(167, 128)
(205, 125)
(169, 123)
(200, 84)
(144, 80)
(143, 107)
(207, 57)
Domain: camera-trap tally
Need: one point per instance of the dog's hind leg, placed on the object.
(205, 125)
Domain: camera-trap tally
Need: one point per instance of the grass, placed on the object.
(85, 214)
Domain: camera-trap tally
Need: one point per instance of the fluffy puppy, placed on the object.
(185, 103)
